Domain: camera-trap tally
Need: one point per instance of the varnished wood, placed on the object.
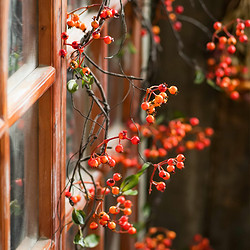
(45, 165)
(4, 138)
(4, 193)
(45, 32)
(28, 92)
(4, 10)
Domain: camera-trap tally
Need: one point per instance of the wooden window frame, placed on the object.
(43, 85)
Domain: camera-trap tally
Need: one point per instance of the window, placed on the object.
(32, 121)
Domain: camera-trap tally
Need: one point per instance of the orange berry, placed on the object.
(173, 90)
(145, 105)
(115, 190)
(111, 225)
(82, 26)
(93, 225)
(150, 119)
(159, 99)
(114, 210)
(71, 23)
(127, 211)
(75, 17)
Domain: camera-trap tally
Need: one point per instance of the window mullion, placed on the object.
(4, 137)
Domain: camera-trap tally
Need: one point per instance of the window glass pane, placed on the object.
(22, 39)
(24, 179)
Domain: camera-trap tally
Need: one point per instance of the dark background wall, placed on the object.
(212, 195)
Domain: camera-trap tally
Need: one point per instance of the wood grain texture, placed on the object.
(4, 10)
(4, 193)
(28, 92)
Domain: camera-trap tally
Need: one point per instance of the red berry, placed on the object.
(161, 186)
(162, 87)
(217, 25)
(240, 26)
(106, 190)
(179, 9)
(74, 199)
(171, 161)
(103, 14)
(67, 193)
(128, 203)
(234, 95)
(126, 225)
(111, 162)
(93, 225)
(210, 46)
(75, 45)
(64, 36)
(132, 230)
(93, 163)
(180, 157)
(159, 99)
(104, 216)
(180, 165)
(164, 175)
(62, 53)
(247, 23)
(117, 176)
(231, 49)
(96, 34)
(119, 148)
(104, 159)
(162, 152)
(145, 105)
(135, 140)
(170, 168)
(177, 26)
(110, 182)
(194, 121)
(121, 199)
(111, 225)
(223, 40)
(243, 38)
(108, 39)
(150, 119)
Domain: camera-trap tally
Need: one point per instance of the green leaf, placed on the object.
(78, 216)
(79, 240)
(92, 240)
(130, 182)
(212, 84)
(144, 167)
(146, 210)
(131, 48)
(130, 192)
(72, 86)
(199, 77)
(15, 208)
(160, 119)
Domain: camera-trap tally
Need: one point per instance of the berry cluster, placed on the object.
(153, 100)
(171, 164)
(200, 243)
(104, 158)
(122, 208)
(220, 66)
(173, 13)
(180, 134)
(76, 56)
(157, 238)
